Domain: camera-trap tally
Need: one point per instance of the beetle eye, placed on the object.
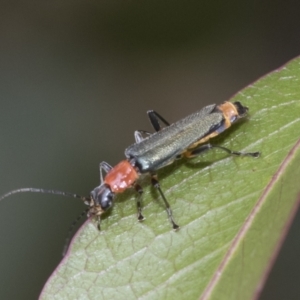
(106, 201)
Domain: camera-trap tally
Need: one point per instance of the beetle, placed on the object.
(187, 137)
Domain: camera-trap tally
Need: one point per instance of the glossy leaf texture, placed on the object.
(233, 213)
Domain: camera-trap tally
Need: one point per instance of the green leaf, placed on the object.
(233, 212)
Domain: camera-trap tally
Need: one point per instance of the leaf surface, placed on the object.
(233, 212)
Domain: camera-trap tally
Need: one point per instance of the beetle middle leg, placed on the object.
(140, 135)
(155, 183)
(155, 118)
(203, 148)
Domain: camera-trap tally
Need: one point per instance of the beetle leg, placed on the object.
(155, 118)
(202, 148)
(98, 223)
(104, 166)
(155, 183)
(139, 189)
(139, 135)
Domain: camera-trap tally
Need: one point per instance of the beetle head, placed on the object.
(101, 200)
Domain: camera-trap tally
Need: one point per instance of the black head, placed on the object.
(101, 200)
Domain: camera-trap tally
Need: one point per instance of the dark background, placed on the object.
(76, 80)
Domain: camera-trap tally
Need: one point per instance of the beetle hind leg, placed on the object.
(155, 183)
(206, 147)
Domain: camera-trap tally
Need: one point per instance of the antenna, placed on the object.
(86, 200)
(71, 229)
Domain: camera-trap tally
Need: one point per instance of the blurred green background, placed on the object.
(76, 80)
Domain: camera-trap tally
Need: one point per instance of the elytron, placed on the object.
(187, 137)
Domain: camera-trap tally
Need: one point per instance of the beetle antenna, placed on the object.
(68, 238)
(86, 200)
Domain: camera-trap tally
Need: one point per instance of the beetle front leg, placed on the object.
(104, 166)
